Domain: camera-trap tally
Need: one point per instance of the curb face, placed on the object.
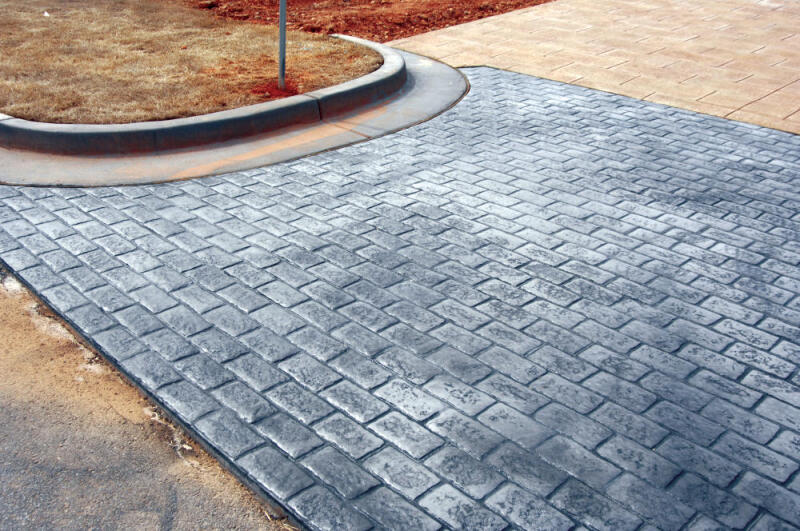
(144, 137)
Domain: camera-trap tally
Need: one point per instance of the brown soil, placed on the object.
(119, 61)
(82, 448)
(376, 20)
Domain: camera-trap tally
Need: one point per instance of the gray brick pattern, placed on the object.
(549, 307)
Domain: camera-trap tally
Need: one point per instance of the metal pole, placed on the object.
(282, 47)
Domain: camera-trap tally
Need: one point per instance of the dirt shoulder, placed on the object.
(81, 448)
(120, 61)
(375, 20)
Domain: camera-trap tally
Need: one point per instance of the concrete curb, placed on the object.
(144, 137)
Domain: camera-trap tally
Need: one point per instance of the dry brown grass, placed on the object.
(119, 61)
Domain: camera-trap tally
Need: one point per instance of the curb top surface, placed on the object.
(202, 130)
(428, 88)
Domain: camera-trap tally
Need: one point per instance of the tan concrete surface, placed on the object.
(739, 59)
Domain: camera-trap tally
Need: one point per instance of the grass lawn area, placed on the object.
(120, 61)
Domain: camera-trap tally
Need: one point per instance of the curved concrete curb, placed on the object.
(143, 137)
(430, 88)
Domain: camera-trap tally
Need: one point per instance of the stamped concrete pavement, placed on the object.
(738, 59)
(548, 307)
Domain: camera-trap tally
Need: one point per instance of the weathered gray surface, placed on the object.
(549, 306)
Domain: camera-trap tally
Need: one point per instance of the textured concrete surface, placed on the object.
(550, 306)
(734, 58)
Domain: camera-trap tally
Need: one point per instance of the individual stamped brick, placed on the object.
(510, 392)
(268, 345)
(606, 337)
(361, 369)
(755, 456)
(419, 295)
(777, 388)
(787, 443)
(204, 371)
(464, 397)
(699, 334)
(636, 427)
(639, 460)
(341, 473)
(661, 361)
(347, 435)
(281, 293)
(578, 461)
(512, 365)
(309, 372)
(780, 412)
(594, 509)
(318, 505)
(509, 338)
(367, 316)
(219, 345)
(464, 367)
(470, 435)
(726, 389)
(526, 469)
(360, 339)
(183, 321)
(197, 298)
(760, 359)
(775, 499)
(150, 370)
(460, 339)
(186, 400)
(572, 395)
(621, 366)
(716, 363)
(689, 456)
(119, 344)
(459, 314)
(299, 403)
(660, 508)
(406, 337)
(255, 372)
(570, 367)
(465, 472)
(316, 343)
(288, 434)
(409, 399)
(228, 433)
(277, 319)
(526, 510)
(515, 426)
(393, 512)
(245, 402)
(579, 427)
(624, 393)
(407, 365)
(457, 510)
(689, 397)
(690, 425)
(718, 504)
(406, 434)
(354, 401)
(414, 316)
(405, 475)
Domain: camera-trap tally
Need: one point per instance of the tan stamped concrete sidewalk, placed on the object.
(739, 59)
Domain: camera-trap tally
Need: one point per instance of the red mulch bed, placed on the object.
(376, 20)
